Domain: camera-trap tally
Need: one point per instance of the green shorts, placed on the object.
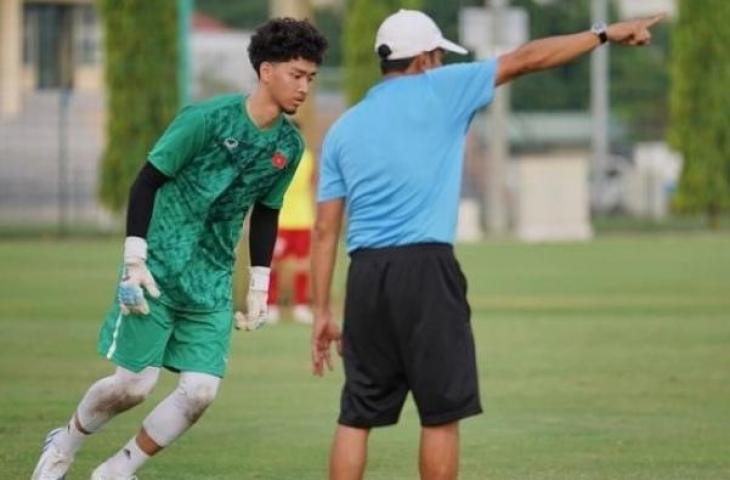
(178, 340)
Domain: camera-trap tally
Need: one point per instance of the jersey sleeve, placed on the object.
(331, 183)
(465, 87)
(274, 198)
(183, 140)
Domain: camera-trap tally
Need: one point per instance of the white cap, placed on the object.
(409, 33)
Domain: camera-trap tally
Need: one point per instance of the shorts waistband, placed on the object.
(402, 250)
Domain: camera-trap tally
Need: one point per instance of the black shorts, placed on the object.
(407, 328)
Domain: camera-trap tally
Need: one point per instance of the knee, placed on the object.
(201, 395)
(199, 391)
(134, 388)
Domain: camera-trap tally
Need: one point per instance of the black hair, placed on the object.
(392, 66)
(399, 65)
(284, 39)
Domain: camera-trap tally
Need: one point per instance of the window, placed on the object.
(30, 34)
(87, 35)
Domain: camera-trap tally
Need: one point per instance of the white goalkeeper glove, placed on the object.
(135, 276)
(256, 300)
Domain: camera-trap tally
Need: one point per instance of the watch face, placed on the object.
(598, 27)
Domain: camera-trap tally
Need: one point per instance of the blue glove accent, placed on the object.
(130, 294)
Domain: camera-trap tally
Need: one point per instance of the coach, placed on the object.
(394, 162)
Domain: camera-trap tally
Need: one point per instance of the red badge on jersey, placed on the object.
(279, 160)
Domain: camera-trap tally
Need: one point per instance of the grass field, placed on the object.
(609, 360)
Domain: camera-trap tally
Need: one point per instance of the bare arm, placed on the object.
(325, 237)
(552, 52)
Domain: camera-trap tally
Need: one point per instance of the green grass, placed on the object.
(607, 360)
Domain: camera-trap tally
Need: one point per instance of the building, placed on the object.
(51, 112)
(643, 8)
(219, 58)
(49, 45)
(52, 107)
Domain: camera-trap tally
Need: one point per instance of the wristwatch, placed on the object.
(600, 29)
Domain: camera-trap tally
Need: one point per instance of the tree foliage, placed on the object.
(700, 102)
(361, 23)
(239, 14)
(639, 76)
(141, 67)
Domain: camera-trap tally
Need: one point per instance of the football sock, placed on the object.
(70, 439)
(127, 460)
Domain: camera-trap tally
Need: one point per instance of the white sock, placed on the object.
(127, 460)
(70, 439)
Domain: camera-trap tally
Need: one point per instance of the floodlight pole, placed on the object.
(600, 96)
(498, 135)
(184, 20)
(63, 190)
(306, 115)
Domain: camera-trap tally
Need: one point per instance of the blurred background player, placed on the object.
(293, 241)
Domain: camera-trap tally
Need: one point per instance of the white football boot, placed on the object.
(101, 474)
(53, 464)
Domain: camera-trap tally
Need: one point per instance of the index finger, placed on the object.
(316, 368)
(651, 21)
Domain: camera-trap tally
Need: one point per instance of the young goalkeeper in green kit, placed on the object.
(216, 161)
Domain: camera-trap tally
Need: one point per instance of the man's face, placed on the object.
(288, 82)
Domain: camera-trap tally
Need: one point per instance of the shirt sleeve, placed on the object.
(182, 141)
(465, 87)
(274, 198)
(331, 183)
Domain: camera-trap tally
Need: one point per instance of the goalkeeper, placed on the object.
(216, 161)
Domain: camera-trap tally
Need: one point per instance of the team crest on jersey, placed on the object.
(230, 143)
(279, 160)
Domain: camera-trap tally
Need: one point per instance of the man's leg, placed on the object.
(301, 312)
(439, 455)
(105, 399)
(440, 357)
(349, 453)
(170, 419)
(375, 388)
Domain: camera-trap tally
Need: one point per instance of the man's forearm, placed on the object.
(555, 51)
(325, 236)
(545, 53)
(262, 237)
(142, 200)
(324, 254)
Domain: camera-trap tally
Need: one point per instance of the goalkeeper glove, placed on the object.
(256, 300)
(135, 276)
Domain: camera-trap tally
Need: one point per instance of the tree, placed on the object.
(639, 77)
(700, 102)
(361, 23)
(141, 62)
(246, 15)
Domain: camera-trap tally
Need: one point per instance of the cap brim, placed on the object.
(452, 47)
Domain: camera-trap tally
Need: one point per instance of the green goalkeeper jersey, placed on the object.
(220, 164)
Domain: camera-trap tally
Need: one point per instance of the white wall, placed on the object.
(643, 8)
(552, 198)
(220, 63)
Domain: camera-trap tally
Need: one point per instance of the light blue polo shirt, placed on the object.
(396, 157)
